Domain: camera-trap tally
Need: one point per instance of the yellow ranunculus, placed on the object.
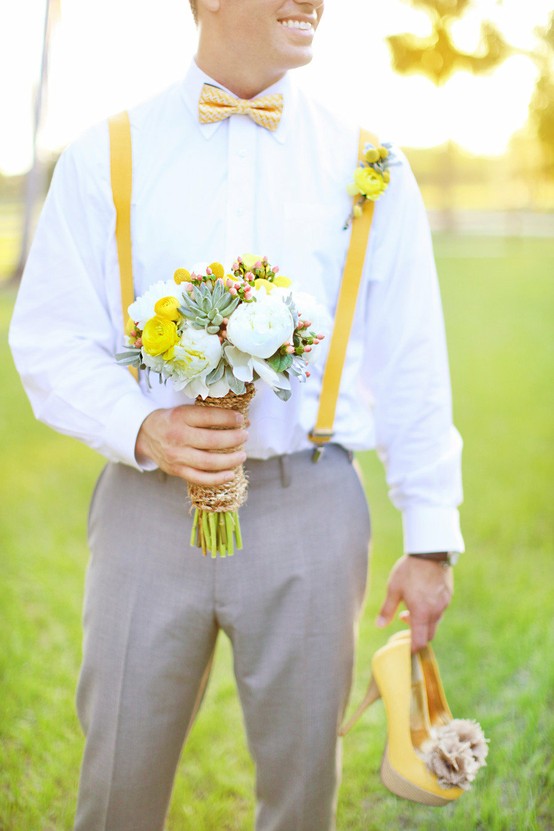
(182, 275)
(262, 283)
(369, 182)
(168, 307)
(282, 282)
(217, 270)
(159, 335)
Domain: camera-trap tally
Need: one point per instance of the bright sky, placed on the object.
(109, 54)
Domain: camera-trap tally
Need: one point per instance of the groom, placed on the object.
(209, 189)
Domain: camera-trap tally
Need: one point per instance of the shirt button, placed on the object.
(242, 153)
(241, 211)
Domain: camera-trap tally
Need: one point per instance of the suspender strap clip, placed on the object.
(319, 438)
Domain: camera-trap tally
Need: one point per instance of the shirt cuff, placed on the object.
(431, 529)
(123, 426)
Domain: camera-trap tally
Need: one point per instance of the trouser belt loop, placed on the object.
(284, 464)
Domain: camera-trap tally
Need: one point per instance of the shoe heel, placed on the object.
(401, 787)
(370, 697)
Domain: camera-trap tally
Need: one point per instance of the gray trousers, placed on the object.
(289, 602)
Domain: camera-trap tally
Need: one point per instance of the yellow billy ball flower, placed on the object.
(182, 275)
(168, 307)
(217, 270)
(383, 152)
(130, 326)
(159, 335)
(369, 182)
(372, 155)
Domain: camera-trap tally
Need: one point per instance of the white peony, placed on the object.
(143, 308)
(261, 327)
(244, 366)
(196, 354)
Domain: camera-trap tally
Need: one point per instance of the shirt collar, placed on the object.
(192, 86)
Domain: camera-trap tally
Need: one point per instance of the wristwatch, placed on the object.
(446, 558)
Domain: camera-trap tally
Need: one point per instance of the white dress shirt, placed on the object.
(212, 192)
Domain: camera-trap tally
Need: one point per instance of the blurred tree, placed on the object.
(438, 58)
(36, 176)
(541, 108)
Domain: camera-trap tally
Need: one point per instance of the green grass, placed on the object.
(495, 645)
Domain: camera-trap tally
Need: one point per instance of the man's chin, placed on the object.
(300, 57)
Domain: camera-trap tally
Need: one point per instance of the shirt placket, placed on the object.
(241, 163)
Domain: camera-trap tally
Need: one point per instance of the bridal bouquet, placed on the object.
(213, 334)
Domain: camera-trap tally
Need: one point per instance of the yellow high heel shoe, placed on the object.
(403, 771)
(437, 705)
(458, 747)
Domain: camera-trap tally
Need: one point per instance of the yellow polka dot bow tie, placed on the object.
(215, 105)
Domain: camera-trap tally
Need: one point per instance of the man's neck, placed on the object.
(241, 79)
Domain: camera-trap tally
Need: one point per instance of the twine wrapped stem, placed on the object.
(216, 526)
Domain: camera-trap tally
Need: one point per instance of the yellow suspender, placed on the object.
(121, 167)
(122, 182)
(346, 305)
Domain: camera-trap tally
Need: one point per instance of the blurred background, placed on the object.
(466, 87)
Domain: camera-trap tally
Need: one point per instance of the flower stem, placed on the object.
(216, 533)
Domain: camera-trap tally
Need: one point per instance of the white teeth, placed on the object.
(296, 24)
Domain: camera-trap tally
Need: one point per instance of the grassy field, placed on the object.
(495, 645)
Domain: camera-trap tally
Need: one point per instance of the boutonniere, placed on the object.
(371, 177)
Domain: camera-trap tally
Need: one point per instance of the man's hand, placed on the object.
(426, 587)
(202, 445)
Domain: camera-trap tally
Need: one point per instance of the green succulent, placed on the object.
(208, 304)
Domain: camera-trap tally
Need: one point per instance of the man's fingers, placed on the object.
(420, 634)
(202, 477)
(389, 607)
(208, 417)
(202, 460)
(206, 439)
